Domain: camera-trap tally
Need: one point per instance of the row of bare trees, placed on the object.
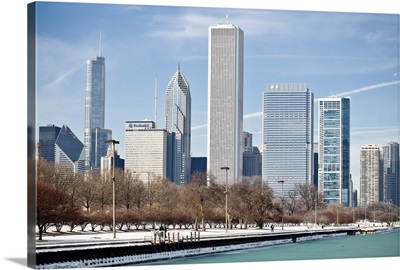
(85, 201)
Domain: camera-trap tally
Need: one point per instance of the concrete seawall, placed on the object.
(118, 253)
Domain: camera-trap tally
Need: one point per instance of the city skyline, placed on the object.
(363, 65)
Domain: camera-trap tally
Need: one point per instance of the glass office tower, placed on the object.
(334, 149)
(287, 136)
(95, 134)
(177, 122)
(225, 102)
(69, 151)
(47, 138)
(391, 173)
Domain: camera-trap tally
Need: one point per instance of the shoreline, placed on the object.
(129, 251)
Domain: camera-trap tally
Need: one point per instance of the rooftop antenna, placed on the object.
(332, 94)
(100, 46)
(227, 17)
(155, 102)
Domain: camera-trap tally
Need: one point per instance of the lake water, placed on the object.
(385, 244)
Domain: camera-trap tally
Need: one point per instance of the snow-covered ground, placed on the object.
(65, 237)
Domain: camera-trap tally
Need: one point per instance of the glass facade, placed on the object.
(287, 136)
(334, 150)
(47, 138)
(177, 122)
(69, 151)
(225, 102)
(94, 112)
(391, 174)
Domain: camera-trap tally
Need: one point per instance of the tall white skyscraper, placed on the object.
(287, 136)
(225, 102)
(95, 135)
(177, 123)
(145, 150)
(334, 149)
(369, 174)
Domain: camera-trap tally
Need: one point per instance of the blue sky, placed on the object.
(345, 54)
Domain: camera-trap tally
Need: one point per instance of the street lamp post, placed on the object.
(315, 214)
(113, 143)
(281, 182)
(337, 214)
(226, 197)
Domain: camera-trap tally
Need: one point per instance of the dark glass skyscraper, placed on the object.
(391, 174)
(47, 138)
(69, 151)
(334, 150)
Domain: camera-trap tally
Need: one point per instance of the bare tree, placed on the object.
(195, 197)
(52, 173)
(309, 196)
(103, 191)
(53, 206)
(165, 194)
(87, 191)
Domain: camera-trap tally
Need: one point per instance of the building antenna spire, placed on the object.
(155, 102)
(100, 46)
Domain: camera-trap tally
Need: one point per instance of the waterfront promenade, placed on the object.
(106, 235)
(77, 248)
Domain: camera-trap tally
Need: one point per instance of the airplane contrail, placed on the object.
(366, 88)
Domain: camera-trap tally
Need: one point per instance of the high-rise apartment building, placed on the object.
(177, 123)
(391, 173)
(146, 150)
(95, 135)
(369, 174)
(225, 102)
(334, 149)
(47, 142)
(287, 136)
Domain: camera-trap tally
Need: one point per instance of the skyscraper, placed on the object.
(47, 142)
(95, 135)
(334, 149)
(287, 136)
(69, 151)
(251, 156)
(177, 122)
(391, 173)
(225, 102)
(369, 174)
(146, 150)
